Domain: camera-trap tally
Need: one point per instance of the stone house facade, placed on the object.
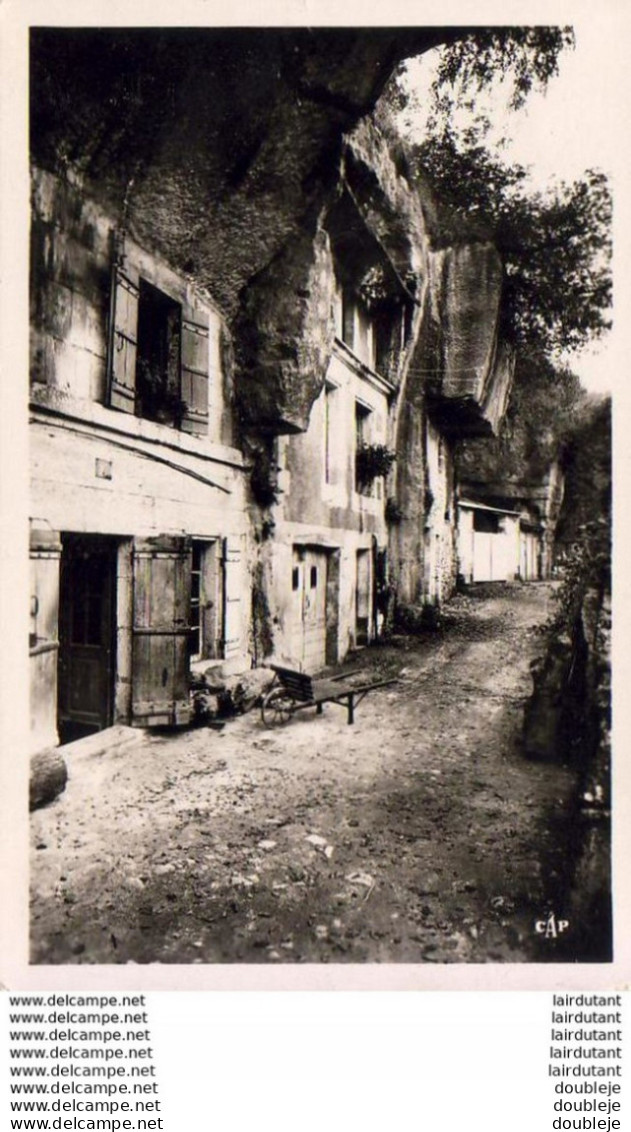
(138, 521)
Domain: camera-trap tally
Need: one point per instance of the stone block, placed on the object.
(57, 310)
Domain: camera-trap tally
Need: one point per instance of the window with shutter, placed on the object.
(233, 589)
(195, 361)
(123, 340)
(159, 354)
(362, 437)
(206, 609)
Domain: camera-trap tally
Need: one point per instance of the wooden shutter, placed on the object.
(123, 337)
(160, 666)
(233, 589)
(348, 317)
(195, 362)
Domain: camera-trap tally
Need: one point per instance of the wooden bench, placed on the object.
(293, 690)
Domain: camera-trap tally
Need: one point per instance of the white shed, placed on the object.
(488, 542)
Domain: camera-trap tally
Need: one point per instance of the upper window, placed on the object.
(158, 348)
(354, 325)
(376, 336)
(362, 438)
(205, 629)
(390, 336)
(158, 355)
(329, 446)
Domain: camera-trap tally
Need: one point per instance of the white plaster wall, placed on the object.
(529, 556)
(279, 580)
(330, 515)
(510, 548)
(142, 497)
(483, 556)
(308, 495)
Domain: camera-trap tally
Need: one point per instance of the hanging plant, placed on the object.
(393, 513)
(372, 461)
(374, 287)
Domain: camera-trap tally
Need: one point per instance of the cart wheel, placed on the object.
(277, 707)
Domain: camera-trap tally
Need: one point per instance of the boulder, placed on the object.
(48, 779)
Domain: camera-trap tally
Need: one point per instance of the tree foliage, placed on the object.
(546, 402)
(545, 405)
(586, 461)
(556, 245)
(471, 60)
(584, 530)
(528, 57)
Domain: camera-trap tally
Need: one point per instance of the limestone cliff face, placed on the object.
(247, 160)
(469, 371)
(220, 150)
(215, 144)
(224, 150)
(460, 374)
(284, 336)
(393, 211)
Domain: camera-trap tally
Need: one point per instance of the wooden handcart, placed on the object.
(292, 691)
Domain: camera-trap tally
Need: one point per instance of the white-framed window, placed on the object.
(206, 617)
(363, 419)
(378, 336)
(329, 410)
(355, 326)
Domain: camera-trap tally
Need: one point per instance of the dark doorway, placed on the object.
(362, 597)
(86, 635)
(158, 356)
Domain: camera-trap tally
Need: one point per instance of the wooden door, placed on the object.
(161, 600)
(309, 584)
(297, 602)
(86, 635)
(314, 611)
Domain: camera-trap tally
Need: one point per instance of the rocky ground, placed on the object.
(420, 834)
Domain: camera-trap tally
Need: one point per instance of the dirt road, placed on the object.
(420, 834)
